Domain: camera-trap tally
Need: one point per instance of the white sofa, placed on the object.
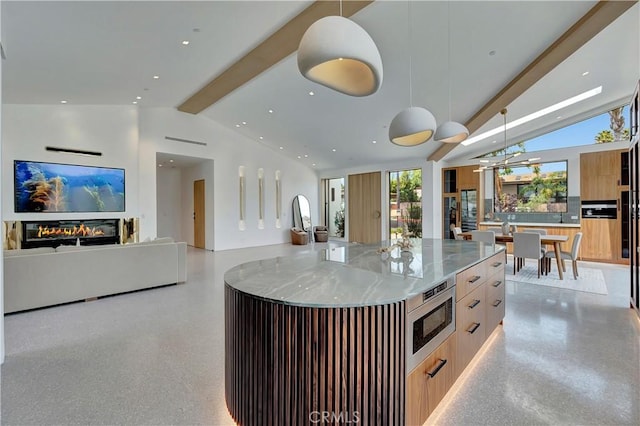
(34, 278)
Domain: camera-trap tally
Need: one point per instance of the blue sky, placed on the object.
(582, 133)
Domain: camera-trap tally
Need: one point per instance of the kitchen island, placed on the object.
(323, 336)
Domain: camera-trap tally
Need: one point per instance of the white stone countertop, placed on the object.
(539, 224)
(356, 275)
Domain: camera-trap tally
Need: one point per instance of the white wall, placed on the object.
(431, 192)
(112, 130)
(169, 201)
(205, 171)
(1, 218)
(229, 151)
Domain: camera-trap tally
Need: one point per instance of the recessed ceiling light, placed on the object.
(261, 137)
(313, 164)
(63, 102)
(135, 102)
(311, 93)
(159, 165)
(237, 125)
(155, 77)
(299, 157)
(171, 161)
(494, 141)
(484, 161)
(185, 42)
(585, 73)
(281, 147)
(334, 150)
(244, 122)
(270, 111)
(138, 97)
(374, 141)
(540, 113)
(306, 156)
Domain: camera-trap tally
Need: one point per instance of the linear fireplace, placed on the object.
(52, 233)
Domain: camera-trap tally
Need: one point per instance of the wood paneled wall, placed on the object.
(284, 364)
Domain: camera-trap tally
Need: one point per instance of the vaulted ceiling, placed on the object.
(462, 54)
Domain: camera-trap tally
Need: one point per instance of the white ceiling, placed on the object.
(90, 52)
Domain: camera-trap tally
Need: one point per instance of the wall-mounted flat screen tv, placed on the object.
(53, 187)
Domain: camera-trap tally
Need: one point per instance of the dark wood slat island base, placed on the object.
(297, 365)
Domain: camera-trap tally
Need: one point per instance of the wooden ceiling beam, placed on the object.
(594, 21)
(275, 48)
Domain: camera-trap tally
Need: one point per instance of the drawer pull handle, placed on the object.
(474, 304)
(441, 364)
(495, 265)
(497, 284)
(497, 303)
(474, 327)
(474, 279)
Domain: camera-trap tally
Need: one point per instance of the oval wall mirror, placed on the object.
(301, 213)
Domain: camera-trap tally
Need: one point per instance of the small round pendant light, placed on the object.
(412, 126)
(337, 53)
(451, 132)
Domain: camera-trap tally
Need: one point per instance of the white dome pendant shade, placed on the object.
(337, 53)
(451, 132)
(412, 126)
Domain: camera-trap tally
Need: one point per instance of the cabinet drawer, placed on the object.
(430, 381)
(495, 264)
(494, 310)
(470, 279)
(470, 326)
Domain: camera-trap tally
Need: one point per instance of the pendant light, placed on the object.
(450, 131)
(339, 54)
(414, 125)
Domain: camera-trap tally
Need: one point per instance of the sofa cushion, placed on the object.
(20, 252)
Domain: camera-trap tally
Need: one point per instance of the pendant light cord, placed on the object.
(504, 115)
(341, 8)
(449, 54)
(410, 50)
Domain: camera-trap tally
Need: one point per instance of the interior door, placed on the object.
(365, 208)
(198, 213)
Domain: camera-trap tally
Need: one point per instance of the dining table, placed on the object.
(550, 240)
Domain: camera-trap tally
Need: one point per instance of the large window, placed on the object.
(534, 188)
(405, 203)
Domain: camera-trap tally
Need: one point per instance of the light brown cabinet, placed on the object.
(470, 326)
(604, 176)
(480, 306)
(430, 381)
(599, 175)
(479, 310)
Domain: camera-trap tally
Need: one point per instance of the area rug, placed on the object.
(589, 280)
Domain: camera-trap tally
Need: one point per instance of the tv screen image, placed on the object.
(53, 187)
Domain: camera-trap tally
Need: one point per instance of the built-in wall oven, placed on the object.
(430, 320)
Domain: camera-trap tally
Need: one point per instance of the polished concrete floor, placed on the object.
(157, 357)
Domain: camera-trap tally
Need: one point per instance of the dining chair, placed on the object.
(526, 245)
(564, 255)
(484, 236)
(457, 231)
(542, 248)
